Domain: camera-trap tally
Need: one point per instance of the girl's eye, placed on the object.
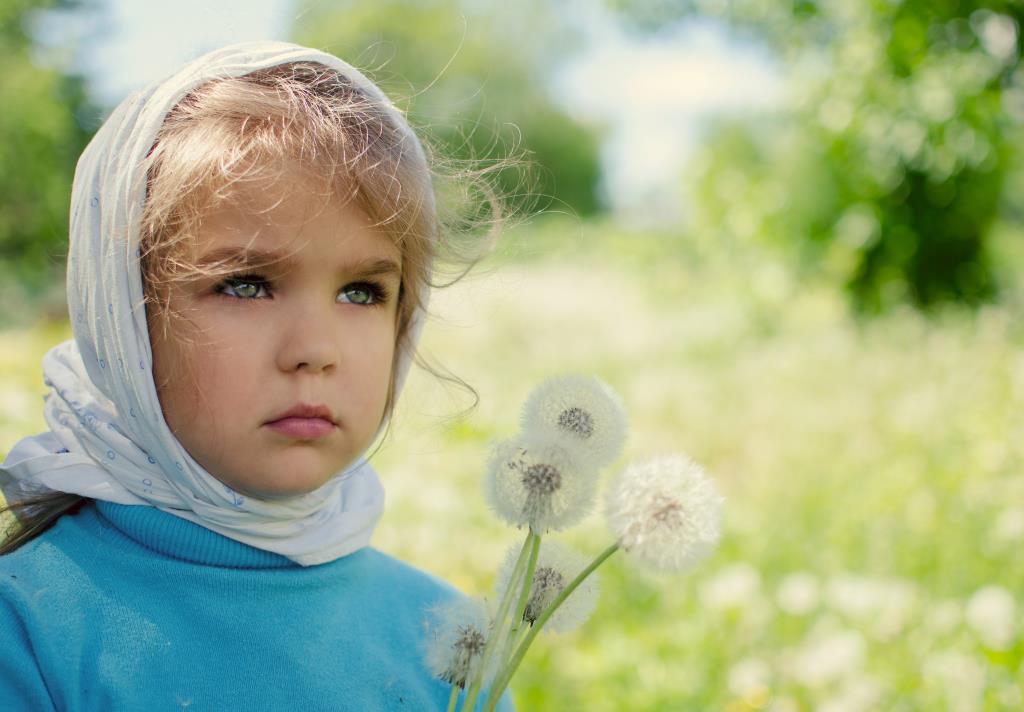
(244, 287)
(363, 293)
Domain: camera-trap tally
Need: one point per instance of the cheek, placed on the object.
(376, 357)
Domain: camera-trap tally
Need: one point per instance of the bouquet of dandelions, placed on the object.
(662, 512)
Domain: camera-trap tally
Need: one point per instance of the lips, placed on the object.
(304, 410)
(303, 422)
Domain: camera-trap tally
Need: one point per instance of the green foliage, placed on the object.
(41, 143)
(473, 78)
(889, 163)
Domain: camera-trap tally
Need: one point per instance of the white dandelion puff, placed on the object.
(664, 512)
(557, 565)
(538, 483)
(456, 633)
(582, 410)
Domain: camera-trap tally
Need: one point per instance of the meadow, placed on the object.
(873, 473)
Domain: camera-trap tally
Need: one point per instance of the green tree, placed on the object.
(888, 163)
(41, 141)
(473, 76)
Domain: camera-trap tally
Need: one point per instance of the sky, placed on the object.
(666, 84)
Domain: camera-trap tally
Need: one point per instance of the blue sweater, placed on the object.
(129, 608)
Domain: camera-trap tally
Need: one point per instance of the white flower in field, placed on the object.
(750, 677)
(830, 658)
(1009, 526)
(960, 678)
(664, 512)
(857, 597)
(557, 566)
(456, 633)
(798, 593)
(990, 613)
(735, 586)
(538, 483)
(582, 410)
(858, 694)
(943, 617)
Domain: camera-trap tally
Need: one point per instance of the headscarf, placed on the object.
(108, 439)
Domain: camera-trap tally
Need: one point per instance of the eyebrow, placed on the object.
(255, 257)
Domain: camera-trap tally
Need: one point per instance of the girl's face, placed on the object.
(317, 328)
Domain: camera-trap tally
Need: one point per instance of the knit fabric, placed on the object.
(130, 608)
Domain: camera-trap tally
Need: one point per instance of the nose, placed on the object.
(309, 339)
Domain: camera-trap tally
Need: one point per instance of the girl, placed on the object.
(250, 254)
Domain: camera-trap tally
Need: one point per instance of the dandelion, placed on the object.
(538, 483)
(664, 512)
(557, 565)
(582, 411)
(456, 636)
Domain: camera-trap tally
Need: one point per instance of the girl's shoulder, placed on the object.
(408, 585)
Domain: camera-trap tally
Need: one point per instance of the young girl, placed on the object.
(250, 254)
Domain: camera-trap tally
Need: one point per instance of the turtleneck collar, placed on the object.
(180, 539)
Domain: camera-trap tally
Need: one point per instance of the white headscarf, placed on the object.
(108, 438)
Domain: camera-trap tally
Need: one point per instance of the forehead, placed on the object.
(267, 219)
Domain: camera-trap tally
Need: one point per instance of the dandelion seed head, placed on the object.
(538, 483)
(547, 584)
(455, 640)
(557, 565)
(576, 421)
(664, 512)
(542, 478)
(581, 410)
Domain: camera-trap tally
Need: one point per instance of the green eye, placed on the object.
(362, 294)
(245, 287)
(246, 290)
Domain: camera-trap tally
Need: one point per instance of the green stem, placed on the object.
(503, 678)
(453, 698)
(493, 640)
(524, 597)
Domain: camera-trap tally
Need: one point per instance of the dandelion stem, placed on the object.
(454, 698)
(505, 675)
(497, 632)
(517, 619)
(524, 597)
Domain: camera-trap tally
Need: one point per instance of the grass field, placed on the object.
(873, 475)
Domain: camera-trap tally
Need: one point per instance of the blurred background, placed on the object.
(790, 233)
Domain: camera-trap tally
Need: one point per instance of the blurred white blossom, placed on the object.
(858, 694)
(538, 483)
(960, 677)
(750, 677)
(798, 593)
(664, 512)
(582, 410)
(823, 660)
(991, 614)
(456, 633)
(944, 616)
(734, 586)
(1009, 525)
(557, 565)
